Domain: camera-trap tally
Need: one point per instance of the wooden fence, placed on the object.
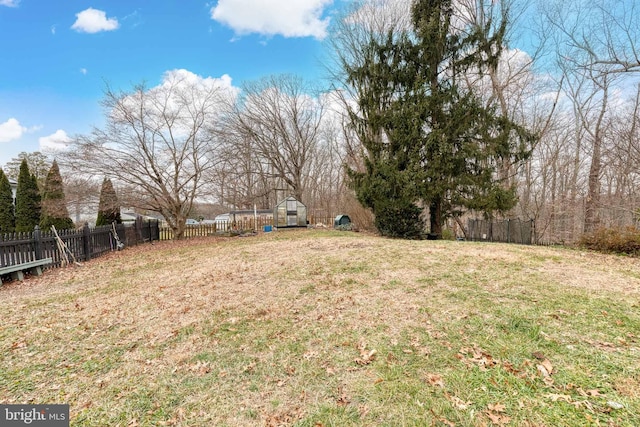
(211, 229)
(84, 243)
(507, 231)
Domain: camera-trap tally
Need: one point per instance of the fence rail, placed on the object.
(202, 230)
(84, 243)
(210, 229)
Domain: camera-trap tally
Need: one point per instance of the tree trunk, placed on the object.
(178, 230)
(593, 196)
(435, 219)
(591, 219)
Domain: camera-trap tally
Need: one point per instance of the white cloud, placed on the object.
(11, 130)
(83, 71)
(53, 30)
(9, 3)
(178, 86)
(189, 77)
(182, 96)
(56, 142)
(289, 18)
(382, 15)
(93, 21)
(186, 78)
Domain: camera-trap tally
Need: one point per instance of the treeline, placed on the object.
(45, 205)
(432, 115)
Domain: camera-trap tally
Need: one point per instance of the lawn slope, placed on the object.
(321, 328)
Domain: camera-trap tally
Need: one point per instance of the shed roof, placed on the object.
(291, 199)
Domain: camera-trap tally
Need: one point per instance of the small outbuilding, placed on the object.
(342, 221)
(290, 213)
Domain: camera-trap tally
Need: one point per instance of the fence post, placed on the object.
(138, 228)
(37, 242)
(532, 232)
(508, 230)
(86, 241)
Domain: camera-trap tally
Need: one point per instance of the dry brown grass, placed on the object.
(325, 328)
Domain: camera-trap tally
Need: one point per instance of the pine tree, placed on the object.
(109, 208)
(429, 139)
(7, 213)
(54, 205)
(27, 200)
(388, 184)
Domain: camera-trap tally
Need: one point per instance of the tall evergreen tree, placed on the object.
(429, 141)
(54, 204)
(109, 207)
(27, 200)
(7, 213)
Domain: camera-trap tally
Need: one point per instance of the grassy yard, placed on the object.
(321, 328)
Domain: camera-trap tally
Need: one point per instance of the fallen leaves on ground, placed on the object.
(443, 420)
(284, 418)
(366, 356)
(477, 356)
(495, 413)
(457, 402)
(342, 398)
(435, 380)
(200, 368)
(545, 368)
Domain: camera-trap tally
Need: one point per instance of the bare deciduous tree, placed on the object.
(243, 179)
(281, 121)
(516, 91)
(158, 143)
(82, 194)
(622, 157)
(596, 45)
(39, 165)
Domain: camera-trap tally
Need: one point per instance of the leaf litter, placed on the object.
(154, 319)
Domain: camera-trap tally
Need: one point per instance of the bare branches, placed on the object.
(596, 51)
(282, 123)
(159, 142)
(598, 37)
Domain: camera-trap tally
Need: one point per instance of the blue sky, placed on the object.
(57, 56)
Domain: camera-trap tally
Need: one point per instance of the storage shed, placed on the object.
(342, 221)
(290, 213)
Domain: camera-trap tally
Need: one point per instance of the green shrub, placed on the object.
(624, 240)
(448, 234)
(399, 219)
